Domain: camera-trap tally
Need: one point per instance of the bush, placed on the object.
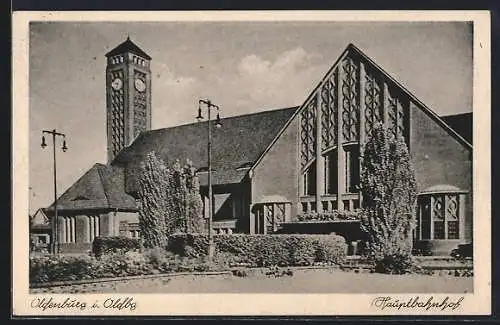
(331, 249)
(263, 250)
(108, 245)
(132, 263)
(60, 268)
(395, 264)
(302, 250)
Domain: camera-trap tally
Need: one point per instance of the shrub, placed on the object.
(131, 263)
(263, 250)
(331, 249)
(395, 264)
(109, 245)
(60, 268)
(301, 250)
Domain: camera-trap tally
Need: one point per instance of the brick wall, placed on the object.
(439, 158)
(276, 174)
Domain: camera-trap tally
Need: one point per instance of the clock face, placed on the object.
(139, 85)
(117, 84)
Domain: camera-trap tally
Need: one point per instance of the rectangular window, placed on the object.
(69, 229)
(439, 230)
(453, 230)
(438, 216)
(310, 180)
(425, 215)
(331, 172)
(133, 233)
(352, 168)
(94, 227)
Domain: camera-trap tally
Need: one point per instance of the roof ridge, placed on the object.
(225, 118)
(102, 183)
(457, 114)
(421, 105)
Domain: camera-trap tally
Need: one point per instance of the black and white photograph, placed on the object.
(325, 157)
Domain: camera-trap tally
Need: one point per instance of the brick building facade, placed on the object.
(271, 167)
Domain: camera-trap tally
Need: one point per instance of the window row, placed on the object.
(69, 231)
(117, 59)
(350, 169)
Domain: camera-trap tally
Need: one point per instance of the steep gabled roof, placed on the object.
(353, 50)
(420, 104)
(235, 146)
(128, 46)
(101, 187)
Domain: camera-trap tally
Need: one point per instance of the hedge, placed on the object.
(264, 250)
(108, 245)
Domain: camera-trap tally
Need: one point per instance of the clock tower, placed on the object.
(128, 95)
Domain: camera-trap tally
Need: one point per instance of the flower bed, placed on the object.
(70, 268)
(329, 216)
(263, 250)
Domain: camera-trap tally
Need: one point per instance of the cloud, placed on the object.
(254, 84)
(171, 94)
(264, 84)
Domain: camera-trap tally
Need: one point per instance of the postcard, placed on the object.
(251, 163)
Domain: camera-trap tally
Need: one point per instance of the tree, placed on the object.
(170, 200)
(388, 190)
(194, 204)
(153, 206)
(185, 199)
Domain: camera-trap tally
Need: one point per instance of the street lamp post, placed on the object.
(218, 124)
(55, 242)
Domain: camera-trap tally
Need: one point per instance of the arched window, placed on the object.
(439, 211)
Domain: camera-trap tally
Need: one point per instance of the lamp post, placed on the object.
(55, 242)
(208, 104)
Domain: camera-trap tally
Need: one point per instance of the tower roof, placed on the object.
(128, 46)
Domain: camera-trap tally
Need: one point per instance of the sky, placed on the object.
(243, 67)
